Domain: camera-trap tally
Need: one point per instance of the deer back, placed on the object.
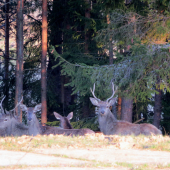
(67, 132)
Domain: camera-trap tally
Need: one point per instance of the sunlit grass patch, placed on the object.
(125, 164)
(28, 143)
(55, 141)
(21, 166)
(143, 166)
(162, 166)
(159, 143)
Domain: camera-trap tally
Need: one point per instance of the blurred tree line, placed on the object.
(92, 42)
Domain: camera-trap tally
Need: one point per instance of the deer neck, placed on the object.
(13, 129)
(34, 127)
(10, 128)
(105, 121)
(66, 124)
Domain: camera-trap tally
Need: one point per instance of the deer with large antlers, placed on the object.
(109, 125)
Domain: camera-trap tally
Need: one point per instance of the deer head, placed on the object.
(64, 121)
(30, 111)
(104, 106)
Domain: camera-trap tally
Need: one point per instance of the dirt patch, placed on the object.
(43, 161)
(78, 159)
(24, 158)
(114, 155)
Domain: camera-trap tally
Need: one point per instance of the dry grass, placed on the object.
(28, 143)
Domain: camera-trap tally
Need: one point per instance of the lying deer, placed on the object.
(64, 121)
(10, 126)
(36, 128)
(109, 125)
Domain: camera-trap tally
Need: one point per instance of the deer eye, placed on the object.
(5, 119)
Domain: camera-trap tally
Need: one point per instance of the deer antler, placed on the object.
(112, 93)
(10, 111)
(92, 91)
(2, 110)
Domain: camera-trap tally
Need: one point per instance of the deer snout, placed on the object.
(102, 112)
(29, 119)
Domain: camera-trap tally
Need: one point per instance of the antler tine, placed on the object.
(92, 91)
(1, 105)
(112, 93)
(16, 105)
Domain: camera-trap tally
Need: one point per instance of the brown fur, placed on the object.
(67, 132)
(64, 121)
(109, 125)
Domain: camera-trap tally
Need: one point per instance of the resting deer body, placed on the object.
(65, 124)
(36, 128)
(109, 125)
(10, 126)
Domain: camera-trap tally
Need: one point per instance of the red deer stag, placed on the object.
(109, 125)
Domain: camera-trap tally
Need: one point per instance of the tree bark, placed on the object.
(110, 43)
(6, 91)
(127, 106)
(19, 62)
(43, 64)
(87, 15)
(119, 107)
(157, 107)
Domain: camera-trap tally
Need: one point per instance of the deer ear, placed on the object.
(23, 107)
(94, 101)
(57, 116)
(37, 108)
(112, 101)
(70, 116)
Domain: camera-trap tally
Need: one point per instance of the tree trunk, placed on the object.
(119, 107)
(157, 107)
(110, 43)
(19, 62)
(6, 91)
(87, 15)
(54, 84)
(85, 107)
(127, 106)
(43, 64)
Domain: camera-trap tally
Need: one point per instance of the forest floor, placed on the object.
(124, 153)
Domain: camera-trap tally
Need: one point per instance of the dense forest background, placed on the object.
(125, 42)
